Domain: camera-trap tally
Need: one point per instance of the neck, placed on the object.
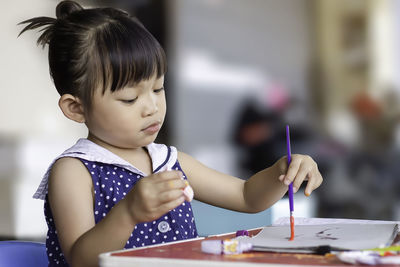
(138, 157)
(115, 149)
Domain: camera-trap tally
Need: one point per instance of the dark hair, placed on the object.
(97, 48)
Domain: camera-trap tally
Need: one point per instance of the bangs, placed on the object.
(127, 54)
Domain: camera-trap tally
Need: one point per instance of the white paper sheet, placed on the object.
(338, 236)
(314, 221)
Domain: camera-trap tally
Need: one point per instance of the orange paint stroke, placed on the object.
(291, 228)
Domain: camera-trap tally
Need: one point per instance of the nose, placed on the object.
(150, 105)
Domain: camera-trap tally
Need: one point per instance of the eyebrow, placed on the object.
(128, 88)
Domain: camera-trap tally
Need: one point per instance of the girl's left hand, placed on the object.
(302, 168)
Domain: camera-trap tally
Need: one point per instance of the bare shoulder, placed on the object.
(67, 163)
(69, 170)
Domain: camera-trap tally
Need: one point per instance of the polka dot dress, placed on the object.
(111, 184)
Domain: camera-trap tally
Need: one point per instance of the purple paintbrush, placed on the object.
(289, 159)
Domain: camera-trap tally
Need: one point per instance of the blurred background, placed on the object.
(239, 70)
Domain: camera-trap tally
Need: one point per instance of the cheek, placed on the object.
(162, 105)
(106, 118)
(123, 119)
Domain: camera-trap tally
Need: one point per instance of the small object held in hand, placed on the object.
(188, 192)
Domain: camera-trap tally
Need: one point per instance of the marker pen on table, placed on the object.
(227, 246)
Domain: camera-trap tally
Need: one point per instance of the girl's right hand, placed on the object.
(155, 195)
(302, 168)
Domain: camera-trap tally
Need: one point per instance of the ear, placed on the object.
(72, 108)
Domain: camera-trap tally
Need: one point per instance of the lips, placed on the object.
(152, 128)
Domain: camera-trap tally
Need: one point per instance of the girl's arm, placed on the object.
(259, 192)
(71, 198)
(71, 201)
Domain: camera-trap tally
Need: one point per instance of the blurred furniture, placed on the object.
(22, 254)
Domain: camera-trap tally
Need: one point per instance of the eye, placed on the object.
(158, 90)
(129, 101)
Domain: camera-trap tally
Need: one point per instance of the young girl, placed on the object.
(116, 188)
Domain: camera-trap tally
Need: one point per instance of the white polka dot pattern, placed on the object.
(111, 184)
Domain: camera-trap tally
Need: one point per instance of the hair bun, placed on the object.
(65, 8)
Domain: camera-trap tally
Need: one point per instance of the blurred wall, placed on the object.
(29, 102)
(355, 86)
(32, 128)
(225, 52)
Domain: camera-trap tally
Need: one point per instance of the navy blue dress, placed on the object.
(111, 184)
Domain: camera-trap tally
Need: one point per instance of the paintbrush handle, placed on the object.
(289, 159)
(291, 198)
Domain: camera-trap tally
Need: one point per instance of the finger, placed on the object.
(320, 179)
(168, 175)
(172, 184)
(292, 171)
(314, 183)
(169, 196)
(300, 177)
(166, 186)
(166, 207)
(310, 186)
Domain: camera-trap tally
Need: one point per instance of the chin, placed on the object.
(144, 142)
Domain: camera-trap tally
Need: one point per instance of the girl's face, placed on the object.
(130, 117)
